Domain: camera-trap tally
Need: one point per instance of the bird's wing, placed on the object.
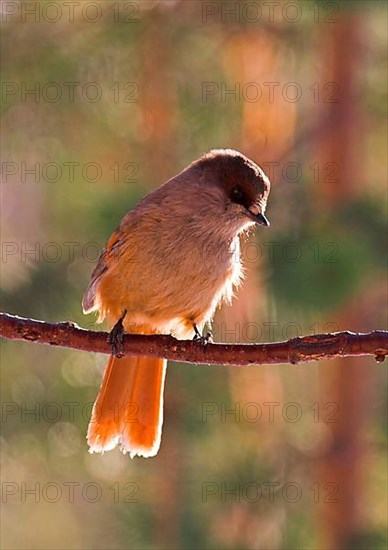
(111, 249)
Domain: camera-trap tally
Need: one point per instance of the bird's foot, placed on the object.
(203, 340)
(115, 337)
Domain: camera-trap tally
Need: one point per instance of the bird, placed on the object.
(170, 263)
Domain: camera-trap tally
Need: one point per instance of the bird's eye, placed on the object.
(237, 194)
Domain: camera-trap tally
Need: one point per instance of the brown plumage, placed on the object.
(171, 261)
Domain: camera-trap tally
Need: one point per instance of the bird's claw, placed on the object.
(203, 340)
(116, 337)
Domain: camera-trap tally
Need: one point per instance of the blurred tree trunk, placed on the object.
(256, 57)
(349, 387)
(157, 101)
(158, 135)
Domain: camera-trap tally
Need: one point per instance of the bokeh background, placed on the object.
(124, 95)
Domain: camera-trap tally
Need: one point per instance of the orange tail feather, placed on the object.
(129, 407)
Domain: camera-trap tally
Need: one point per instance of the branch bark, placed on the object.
(307, 348)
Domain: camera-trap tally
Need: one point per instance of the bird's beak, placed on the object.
(262, 220)
(255, 214)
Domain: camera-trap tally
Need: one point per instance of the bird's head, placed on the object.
(241, 185)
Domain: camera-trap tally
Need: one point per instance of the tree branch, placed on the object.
(307, 348)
